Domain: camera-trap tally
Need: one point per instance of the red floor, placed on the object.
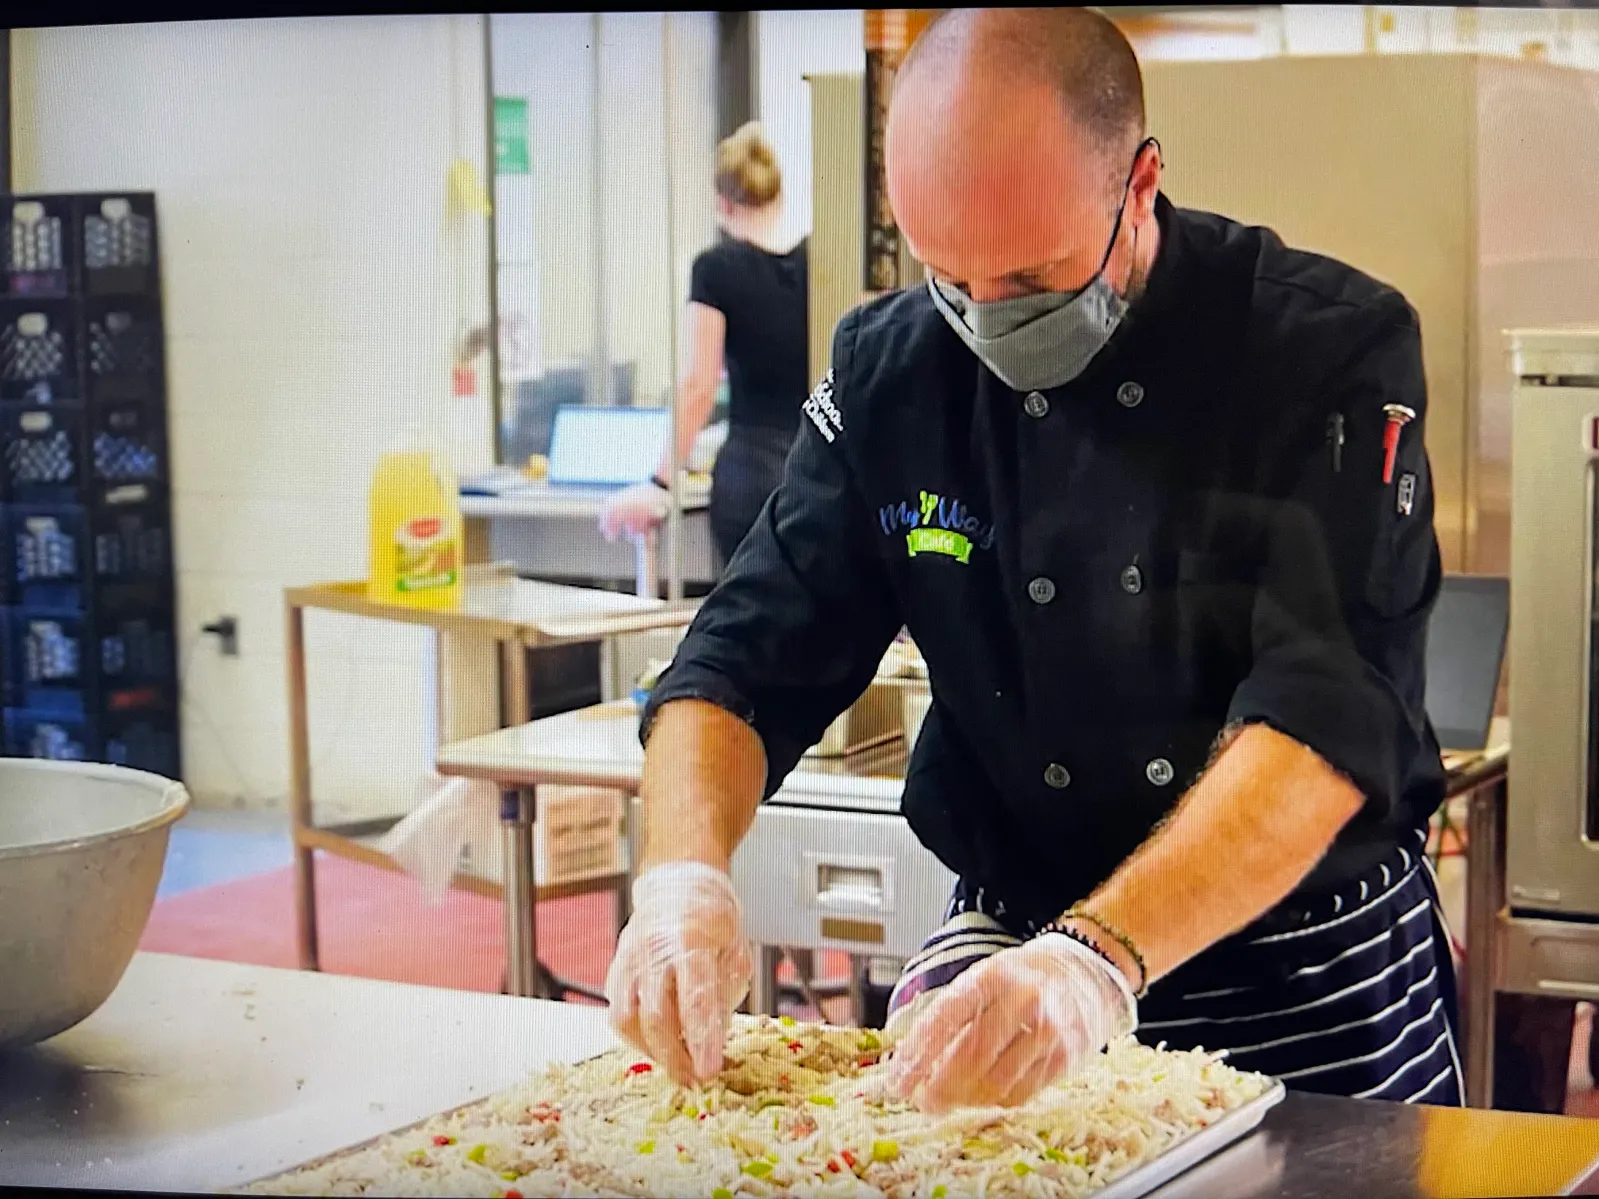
(375, 923)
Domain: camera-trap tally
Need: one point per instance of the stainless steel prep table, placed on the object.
(513, 616)
(599, 747)
(199, 1075)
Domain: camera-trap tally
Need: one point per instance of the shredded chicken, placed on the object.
(798, 1109)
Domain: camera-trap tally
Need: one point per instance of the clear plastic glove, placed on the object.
(1012, 1025)
(681, 969)
(635, 510)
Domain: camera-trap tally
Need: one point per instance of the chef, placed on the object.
(1148, 489)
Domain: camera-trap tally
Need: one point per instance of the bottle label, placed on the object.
(424, 555)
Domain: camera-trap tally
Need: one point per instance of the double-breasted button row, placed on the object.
(1159, 771)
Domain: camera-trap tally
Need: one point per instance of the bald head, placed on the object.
(1076, 53)
(1011, 135)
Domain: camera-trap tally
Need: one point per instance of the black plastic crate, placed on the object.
(69, 662)
(142, 741)
(113, 557)
(122, 348)
(120, 255)
(45, 453)
(38, 351)
(41, 246)
(127, 442)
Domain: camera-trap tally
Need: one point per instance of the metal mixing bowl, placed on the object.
(81, 853)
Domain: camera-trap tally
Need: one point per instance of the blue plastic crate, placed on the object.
(128, 442)
(55, 736)
(122, 348)
(45, 453)
(120, 252)
(49, 547)
(115, 556)
(67, 662)
(39, 351)
(41, 246)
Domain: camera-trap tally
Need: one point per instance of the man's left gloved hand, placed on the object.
(1011, 1025)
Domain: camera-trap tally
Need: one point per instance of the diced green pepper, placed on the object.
(885, 1151)
(940, 1191)
(868, 1041)
(691, 1111)
(787, 1021)
(721, 1193)
(509, 1175)
(646, 1146)
(417, 1157)
(1021, 1169)
(758, 1169)
(823, 1101)
(769, 1101)
(477, 1153)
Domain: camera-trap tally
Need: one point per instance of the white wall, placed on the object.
(547, 226)
(791, 44)
(299, 167)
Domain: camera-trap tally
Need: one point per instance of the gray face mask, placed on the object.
(1036, 342)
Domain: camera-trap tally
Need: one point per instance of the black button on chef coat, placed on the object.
(1212, 559)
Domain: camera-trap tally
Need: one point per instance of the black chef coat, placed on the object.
(1192, 534)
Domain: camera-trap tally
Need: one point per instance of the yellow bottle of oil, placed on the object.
(418, 543)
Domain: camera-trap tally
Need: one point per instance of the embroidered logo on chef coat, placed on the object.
(823, 412)
(937, 524)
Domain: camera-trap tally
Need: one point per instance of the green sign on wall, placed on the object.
(510, 136)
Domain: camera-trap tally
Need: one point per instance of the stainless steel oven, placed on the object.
(1552, 839)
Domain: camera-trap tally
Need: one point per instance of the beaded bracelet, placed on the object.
(1114, 934)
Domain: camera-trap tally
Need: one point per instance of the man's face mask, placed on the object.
(1036, 342)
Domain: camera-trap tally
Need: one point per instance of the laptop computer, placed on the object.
(606, 448)
(1465, 655)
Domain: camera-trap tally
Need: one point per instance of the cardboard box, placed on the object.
(577, 834)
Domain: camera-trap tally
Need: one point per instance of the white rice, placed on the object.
(624, 1133)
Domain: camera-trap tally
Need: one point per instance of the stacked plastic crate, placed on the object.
(89, 670)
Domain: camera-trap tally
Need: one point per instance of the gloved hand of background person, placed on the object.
(635, 510)
(681, 969)
(1011, 1025)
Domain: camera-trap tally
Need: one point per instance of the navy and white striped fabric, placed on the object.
(1352, 995)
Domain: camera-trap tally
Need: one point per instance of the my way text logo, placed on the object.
(937, 524)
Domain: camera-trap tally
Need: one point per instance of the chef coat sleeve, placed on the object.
(794, 631)
(1339, 624)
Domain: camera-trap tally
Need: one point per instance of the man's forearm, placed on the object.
(704, 774)
(1248, 832)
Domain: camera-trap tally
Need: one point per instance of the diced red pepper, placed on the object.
(796, 1046)
(513, 1194)
(867, 1061)
(833, 1167)
(640, 1068)
(705, 1115)
(849, 1158)
(444, 1140)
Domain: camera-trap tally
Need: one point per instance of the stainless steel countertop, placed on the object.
(198, 1075)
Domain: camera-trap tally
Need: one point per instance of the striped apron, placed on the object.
(1349, 994)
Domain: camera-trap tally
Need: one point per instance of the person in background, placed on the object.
(746, 309)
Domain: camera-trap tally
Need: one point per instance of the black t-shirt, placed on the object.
(763, 296)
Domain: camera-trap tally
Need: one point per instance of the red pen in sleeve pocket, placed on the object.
(1398, 417)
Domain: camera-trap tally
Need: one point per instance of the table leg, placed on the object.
(521, 934)
(763, 987)
(1485, 895)
(300, 816)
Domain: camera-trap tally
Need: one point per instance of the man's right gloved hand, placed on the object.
(681, 969)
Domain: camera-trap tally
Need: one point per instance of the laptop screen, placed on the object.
(1465, 652)
(607, 447)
